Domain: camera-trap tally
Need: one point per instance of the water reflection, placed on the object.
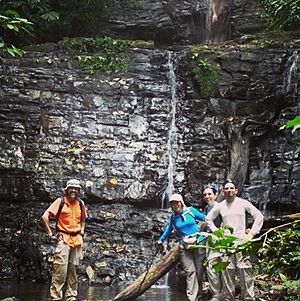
(40, 292)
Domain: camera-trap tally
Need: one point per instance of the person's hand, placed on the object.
(249, 236)
(160, 247)
(202, 226)
(53, 238)
(227, 232)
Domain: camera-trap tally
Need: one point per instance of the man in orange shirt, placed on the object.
(70, 213)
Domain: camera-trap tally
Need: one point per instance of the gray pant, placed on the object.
(192, 263)
(214, 279)
(64, 270)
(243, 266)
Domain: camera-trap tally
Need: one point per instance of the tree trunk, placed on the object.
(149, 277)
(239, 156)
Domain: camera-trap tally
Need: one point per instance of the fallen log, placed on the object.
(279, 220)
(149, 277)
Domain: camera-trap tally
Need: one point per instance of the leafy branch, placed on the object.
(293, 123)
(225, 243)
(10, 20)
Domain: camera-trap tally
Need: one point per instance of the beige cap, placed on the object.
(178, 198)
(73, 183)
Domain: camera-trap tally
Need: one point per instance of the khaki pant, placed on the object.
(192, 263)
(64, 270)
(243, 266)
(214, 279)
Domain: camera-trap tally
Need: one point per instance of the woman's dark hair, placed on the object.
(214, 190)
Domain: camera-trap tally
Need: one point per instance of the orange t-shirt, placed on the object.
(69, 220)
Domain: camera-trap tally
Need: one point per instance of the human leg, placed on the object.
(244, 268)
(214, 278)
(59, 272)
(192, 286)
(228, 278)
(74, 259)
(199, 255)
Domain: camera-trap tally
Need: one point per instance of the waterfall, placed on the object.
(208, 22)
(292, 73)
(218, 21)
(172, 133)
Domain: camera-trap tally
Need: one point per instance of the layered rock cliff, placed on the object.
(134, 137)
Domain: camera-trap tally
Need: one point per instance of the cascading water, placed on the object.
(172, 146)
(217, 21)
(292, 73)
(208, 22)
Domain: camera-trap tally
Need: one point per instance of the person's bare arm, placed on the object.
(82, 227)
(45, 219)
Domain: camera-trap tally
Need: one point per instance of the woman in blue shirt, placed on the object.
(184, 220)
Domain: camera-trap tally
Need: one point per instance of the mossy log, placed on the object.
(149, 277)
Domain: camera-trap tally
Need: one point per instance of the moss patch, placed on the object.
(101, 54)
(206, 73)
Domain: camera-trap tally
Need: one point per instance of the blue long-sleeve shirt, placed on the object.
(185, 223)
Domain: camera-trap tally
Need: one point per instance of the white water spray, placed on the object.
(172, 134)
(292, 75)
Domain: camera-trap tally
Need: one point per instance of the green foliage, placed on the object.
(282, 14)
(55, 19)
(224, 242)
(280, 254)
(207, 74)
(221, 239)
(289, 290)
(36, 11)
(92, 64)
(293, 124)
(99, 54)
(40, 14)
(10, 21)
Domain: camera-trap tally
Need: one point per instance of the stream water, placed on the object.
(30, 291)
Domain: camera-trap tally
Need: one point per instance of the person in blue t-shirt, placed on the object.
(184, 220)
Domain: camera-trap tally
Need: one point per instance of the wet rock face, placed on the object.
(119, 243)
(110, 129)
(119, 132)
(186, 22)
(113, 132)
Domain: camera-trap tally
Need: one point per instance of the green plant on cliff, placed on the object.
(99, 54)
(282, 14)
(293, 124)
(206, 73)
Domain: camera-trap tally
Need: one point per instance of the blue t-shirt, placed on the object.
(185, 223)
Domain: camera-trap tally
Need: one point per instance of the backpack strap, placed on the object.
(81, 204)
(188, 211)
(61, 205)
